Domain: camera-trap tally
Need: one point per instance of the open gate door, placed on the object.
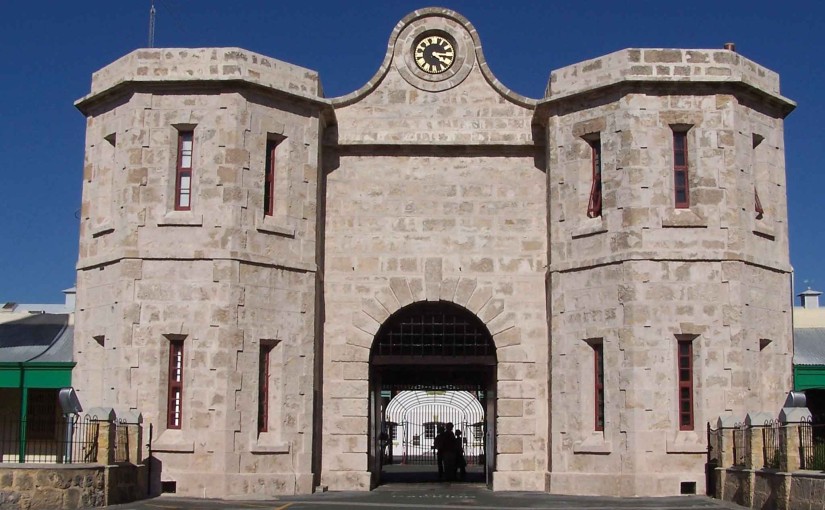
(375, 431)
(490, 430)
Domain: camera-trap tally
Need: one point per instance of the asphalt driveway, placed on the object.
(436, 495)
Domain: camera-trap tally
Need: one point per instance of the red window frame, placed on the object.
(681, 187)
(684, 355)
(183, 172)
(598, 386)
(174, 405)
(594, 205)
(269, 177)
(263, 387)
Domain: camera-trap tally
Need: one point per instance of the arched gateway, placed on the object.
(437, 349)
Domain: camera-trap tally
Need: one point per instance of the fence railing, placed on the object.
(812, 446)
(740, 444)
(121, 453)
(58, 440)
(771, 450)
(776, 445)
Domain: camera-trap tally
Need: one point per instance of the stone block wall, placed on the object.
(420, 187)
(47, 488)
(434, 228)
(223, 277)
(644, 274)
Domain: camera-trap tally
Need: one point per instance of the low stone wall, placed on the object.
(48, 487)
(125, 483)
(807, 490)
(69, 487)
(773, 490)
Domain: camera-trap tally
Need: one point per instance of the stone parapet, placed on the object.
(662, 65)
(205, 65)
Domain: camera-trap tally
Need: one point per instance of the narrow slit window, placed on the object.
(755, 169)
(183, 178)
(263, 387)
(594, 205)
(598, 379)
(174, 412)
(680, 170)
(685, 372)
(269, 177)
(757, 205)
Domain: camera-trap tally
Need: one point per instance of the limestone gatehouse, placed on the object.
(604, 270)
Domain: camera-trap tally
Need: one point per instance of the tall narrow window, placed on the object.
(183, 181)
(680, 170)
(685, 363)
(263, 387)
(269, 177)
(174, 411)
(598, 379)
(755, 170)
(594, 205)
(757, 205)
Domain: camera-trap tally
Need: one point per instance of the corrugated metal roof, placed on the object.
(809, 346)
(41, 337)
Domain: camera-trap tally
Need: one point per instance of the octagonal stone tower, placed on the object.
(623, 240)
(216, 274)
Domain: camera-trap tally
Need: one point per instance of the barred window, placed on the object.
(174, 410)
(183, 177)
(598, 377)
(680, 170)
(685, 370)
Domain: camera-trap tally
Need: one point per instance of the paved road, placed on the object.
(434, 496)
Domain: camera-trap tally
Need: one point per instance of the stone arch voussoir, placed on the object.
(468, 292)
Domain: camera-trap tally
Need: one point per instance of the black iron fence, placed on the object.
(121, 453)
(740, 444)
(812, 446)
(51, 439)
(771, 451)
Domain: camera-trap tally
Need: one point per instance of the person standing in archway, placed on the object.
(444, 445)
(460, 460)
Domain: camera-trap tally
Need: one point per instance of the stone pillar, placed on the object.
(753, 438)
(105, 418)
(724, 452)
(725, 425)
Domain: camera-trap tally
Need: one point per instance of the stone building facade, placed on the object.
(305, 223)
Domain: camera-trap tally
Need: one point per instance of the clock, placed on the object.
(434, 54)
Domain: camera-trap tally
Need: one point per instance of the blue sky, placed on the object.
(51, 48)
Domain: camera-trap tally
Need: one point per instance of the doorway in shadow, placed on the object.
(432, 363)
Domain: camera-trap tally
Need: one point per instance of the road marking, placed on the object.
(285, 506)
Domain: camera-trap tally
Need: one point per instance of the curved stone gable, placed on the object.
(425, 17)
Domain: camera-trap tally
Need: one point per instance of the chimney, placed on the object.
(809, 298)
(730, 46)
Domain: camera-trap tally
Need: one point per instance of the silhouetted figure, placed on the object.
(460, 460)
(444, 445)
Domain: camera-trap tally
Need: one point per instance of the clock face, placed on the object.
(434, 54)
